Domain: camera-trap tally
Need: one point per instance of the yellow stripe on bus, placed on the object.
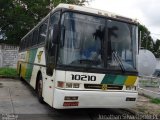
(23, 69)
(130, 80)
(24, 65)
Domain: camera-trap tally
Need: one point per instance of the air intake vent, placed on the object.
(99, 86)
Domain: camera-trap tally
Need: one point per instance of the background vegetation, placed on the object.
(17, 17)
(155, 100)
(8, 72)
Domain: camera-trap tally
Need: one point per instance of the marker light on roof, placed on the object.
(71, 7)
(105, 14)
(100, 13)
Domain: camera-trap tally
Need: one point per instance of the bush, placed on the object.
(155, 100)
(8, 72)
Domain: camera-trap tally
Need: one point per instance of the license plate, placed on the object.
(70, 103)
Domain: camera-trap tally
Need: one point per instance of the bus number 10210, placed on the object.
(84, 77)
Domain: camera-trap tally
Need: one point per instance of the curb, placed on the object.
(9, 77)
(149, 93)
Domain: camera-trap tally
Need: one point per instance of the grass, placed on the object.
(8, 72)
(155, 100)
(152, 100)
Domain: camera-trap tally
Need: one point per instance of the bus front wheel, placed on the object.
(40, 88)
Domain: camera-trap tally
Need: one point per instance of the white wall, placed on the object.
(8, 55)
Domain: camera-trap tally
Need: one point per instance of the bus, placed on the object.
(80, 57)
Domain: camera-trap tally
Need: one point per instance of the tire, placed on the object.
(39, 88)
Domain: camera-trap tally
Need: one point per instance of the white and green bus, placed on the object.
(79, 57)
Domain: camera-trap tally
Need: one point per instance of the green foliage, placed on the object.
(17, 17)
(148, 43)
(8, 72)
(157, 49)
(146, 39)
(155, 100)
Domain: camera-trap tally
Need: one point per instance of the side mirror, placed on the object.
(56, 33)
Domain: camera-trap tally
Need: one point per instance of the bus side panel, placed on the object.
(33, 79)
(48, 88)
(48, 81)
(38, 63)
(21, 59)
(22, 63)
(30, 61)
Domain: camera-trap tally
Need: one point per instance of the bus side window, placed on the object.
(22, 46)
(42, 32)
(24, 43)
(30, 40)
(35, 37)
(54, 19)
(27, 42)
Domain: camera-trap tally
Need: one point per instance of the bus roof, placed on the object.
(95, 11)
(85, 9)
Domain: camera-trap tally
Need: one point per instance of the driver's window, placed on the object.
(51, 49)
(53, 20)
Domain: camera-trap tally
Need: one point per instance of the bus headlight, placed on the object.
(75, 85)
(68, 85)
(62, 84)
(131, 88)
(72, 85)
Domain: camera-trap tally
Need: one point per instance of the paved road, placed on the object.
(17, 99)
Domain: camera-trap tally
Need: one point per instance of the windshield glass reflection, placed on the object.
(120, 45)
(82, 43)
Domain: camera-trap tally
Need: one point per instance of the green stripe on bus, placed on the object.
(108, 79)
(120, 80)
(32, 56)
(114, 79)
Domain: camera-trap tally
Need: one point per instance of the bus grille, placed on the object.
(99, 86)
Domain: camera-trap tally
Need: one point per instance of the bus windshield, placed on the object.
(95, 42)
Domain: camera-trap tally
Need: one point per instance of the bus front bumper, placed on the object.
(65, 99)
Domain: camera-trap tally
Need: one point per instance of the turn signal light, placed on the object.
(72, 85)
(131, 88)
(75, 85)
(68, 85)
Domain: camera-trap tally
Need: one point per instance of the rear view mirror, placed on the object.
(56, 33)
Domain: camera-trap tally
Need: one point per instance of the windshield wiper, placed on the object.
(119, 61)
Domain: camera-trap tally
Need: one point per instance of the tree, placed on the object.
(157, 48)
(146, 39)
(17, 17)
(148, 43)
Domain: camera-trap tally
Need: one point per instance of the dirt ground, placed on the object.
(144, 106)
